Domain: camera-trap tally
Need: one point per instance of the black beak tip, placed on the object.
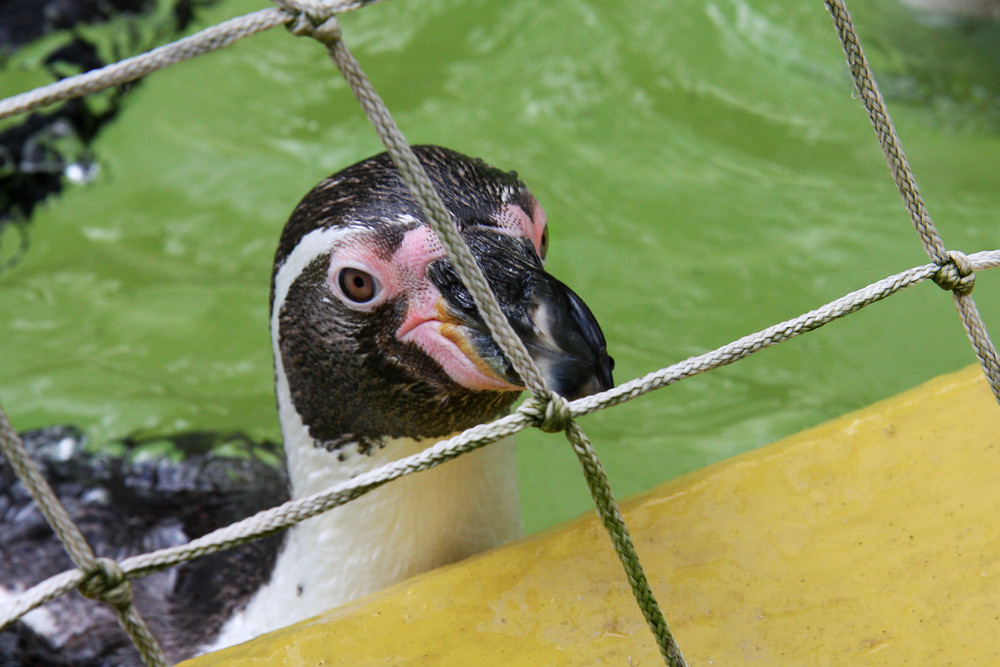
(574, 378)
(598, 377)
(604, 371)
(602, 379)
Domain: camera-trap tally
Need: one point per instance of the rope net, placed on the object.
(106, 580)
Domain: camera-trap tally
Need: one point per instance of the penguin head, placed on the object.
(376, 335)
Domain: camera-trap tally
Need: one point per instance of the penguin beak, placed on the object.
(564, 339)
(556, 326)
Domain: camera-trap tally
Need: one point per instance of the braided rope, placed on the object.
(107, 580)
(102, 578)
(532, 412)
(131, 69)
(510, 343)
(437, 215)
(209, 39)
(955, 274)
(614, 524)
(277, 518)
(772, 335)
(899, 167)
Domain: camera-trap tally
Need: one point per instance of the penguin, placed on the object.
(379, 352)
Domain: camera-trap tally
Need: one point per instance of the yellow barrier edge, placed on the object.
(870, 539)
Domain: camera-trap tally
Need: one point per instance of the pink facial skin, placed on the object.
(514, 221)
(426, 323)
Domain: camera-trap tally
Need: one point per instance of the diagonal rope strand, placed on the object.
(101, 578)
(438, 217)
(747, 345)
(277, 518)
(131, 69)
(975, 329)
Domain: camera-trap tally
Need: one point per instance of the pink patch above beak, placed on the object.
(427, 324)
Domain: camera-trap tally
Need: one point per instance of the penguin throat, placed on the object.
(408, 526)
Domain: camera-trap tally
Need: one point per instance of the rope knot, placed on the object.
(956, 275)
(550, 412)
(314, 18)
(106, 582)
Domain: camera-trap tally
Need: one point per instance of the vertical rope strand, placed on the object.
(468, 270)
(906, 183)
(878, 113)
(986, 351)
(614, 523)
(437, 215)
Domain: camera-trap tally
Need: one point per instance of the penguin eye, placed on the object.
(543, 244)
(357, 285)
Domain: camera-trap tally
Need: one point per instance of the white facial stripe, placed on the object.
(317, 243)
(314, 244)
(297, 442)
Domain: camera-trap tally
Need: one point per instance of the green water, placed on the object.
(704, 166)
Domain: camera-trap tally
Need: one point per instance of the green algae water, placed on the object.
(704, 166)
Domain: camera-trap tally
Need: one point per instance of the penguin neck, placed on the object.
(410, 525)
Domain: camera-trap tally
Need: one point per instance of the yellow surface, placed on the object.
(873, 539)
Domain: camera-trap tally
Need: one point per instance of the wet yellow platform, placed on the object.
(873, 539)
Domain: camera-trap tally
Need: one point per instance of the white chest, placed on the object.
(408, 526)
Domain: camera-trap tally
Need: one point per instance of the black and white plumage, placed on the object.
(379, 352)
